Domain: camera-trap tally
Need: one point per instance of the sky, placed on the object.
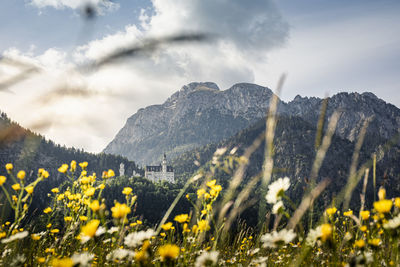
(324, 47)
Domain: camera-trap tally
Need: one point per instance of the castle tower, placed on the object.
(164, 164)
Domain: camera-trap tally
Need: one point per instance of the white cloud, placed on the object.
(246, 31)
(100, 5)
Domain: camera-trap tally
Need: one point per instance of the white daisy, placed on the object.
(276, 189)
(393, 223)
(313, 236)
(277, 206)
(101, 230)
(17, 236)
(272, 240)
(207, 259)
(82, 259)
(120, 254)
(136, 238)
(113, 230)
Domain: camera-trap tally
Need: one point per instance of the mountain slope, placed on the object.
(201, 114)
(196, 115)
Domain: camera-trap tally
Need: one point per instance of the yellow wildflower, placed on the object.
(360, 243)
(45, 174)
(397, 202)
(120, 210)
(195, 228)
(47, 210)
(95, 205)
(83, 165)
(211, 183)
(331, 211)
(90, 192)
(381, 193)
(203, 212)
(60, 197)
(55, 190)
(110, 173)
(73, 166)
(83, 218)
(168, 252)
(363, 228)
(14, 198)
(383, 206)
(2, 180)
(139, 222)
(90, 228)
(35, 237)
(41, 259)
(54, 231)
(166, 226)
(348, 213)
(365, 214)
(203, 225)
(29, 189)
(21, 175)
(48, 225)
(326, 231)
(16, 187)
(63, 168)
(9, 167)
(375, 242)
(102, 186)
(64, 262)
(68, 218)
(181, 218)
(3, 234)
(200, 192)
(127, 190)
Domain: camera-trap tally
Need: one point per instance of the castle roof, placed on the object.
(158, 168)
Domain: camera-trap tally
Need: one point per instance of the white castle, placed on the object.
(161, 172)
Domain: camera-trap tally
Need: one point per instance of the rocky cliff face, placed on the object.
(196, 115)
(200, 113)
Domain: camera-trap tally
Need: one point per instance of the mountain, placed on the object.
(200, 114)
(196, 115)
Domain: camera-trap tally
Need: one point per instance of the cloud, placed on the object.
(245, 31)
(100, 5)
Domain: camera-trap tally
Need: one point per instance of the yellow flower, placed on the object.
(45, 174)
(9, 167)
(204, 212)
(181, 218)
(54, 231)
(326, 231)
(397, 202)
(90, 228)
(73, 165)
(166, 226)
(16, 187)
(68, 218)
(3, 234)
(375, 242)
(200, 192)
(90, 192)
(187, 196)
(211, 183)
(49, 225)
(83, 165)
(95, 205)
(195, 228)
(348, 213)
(202, 225)
(139, 222)
(64, 262)
(360, 243)
(2, 180)
(21, 175)
(120, 210)
(110, 173)
(47, 210)
(168, 252)
(365, 214)
(381, 193)
(127, 190)
(102, 186)
(331, 211)
(83, 218)
(363, 228)
(383, 206)
(29, 189)
(35, 237)
(162, 234)
(55, 190)
(41, 259)
(63, 168)
(14, 198)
